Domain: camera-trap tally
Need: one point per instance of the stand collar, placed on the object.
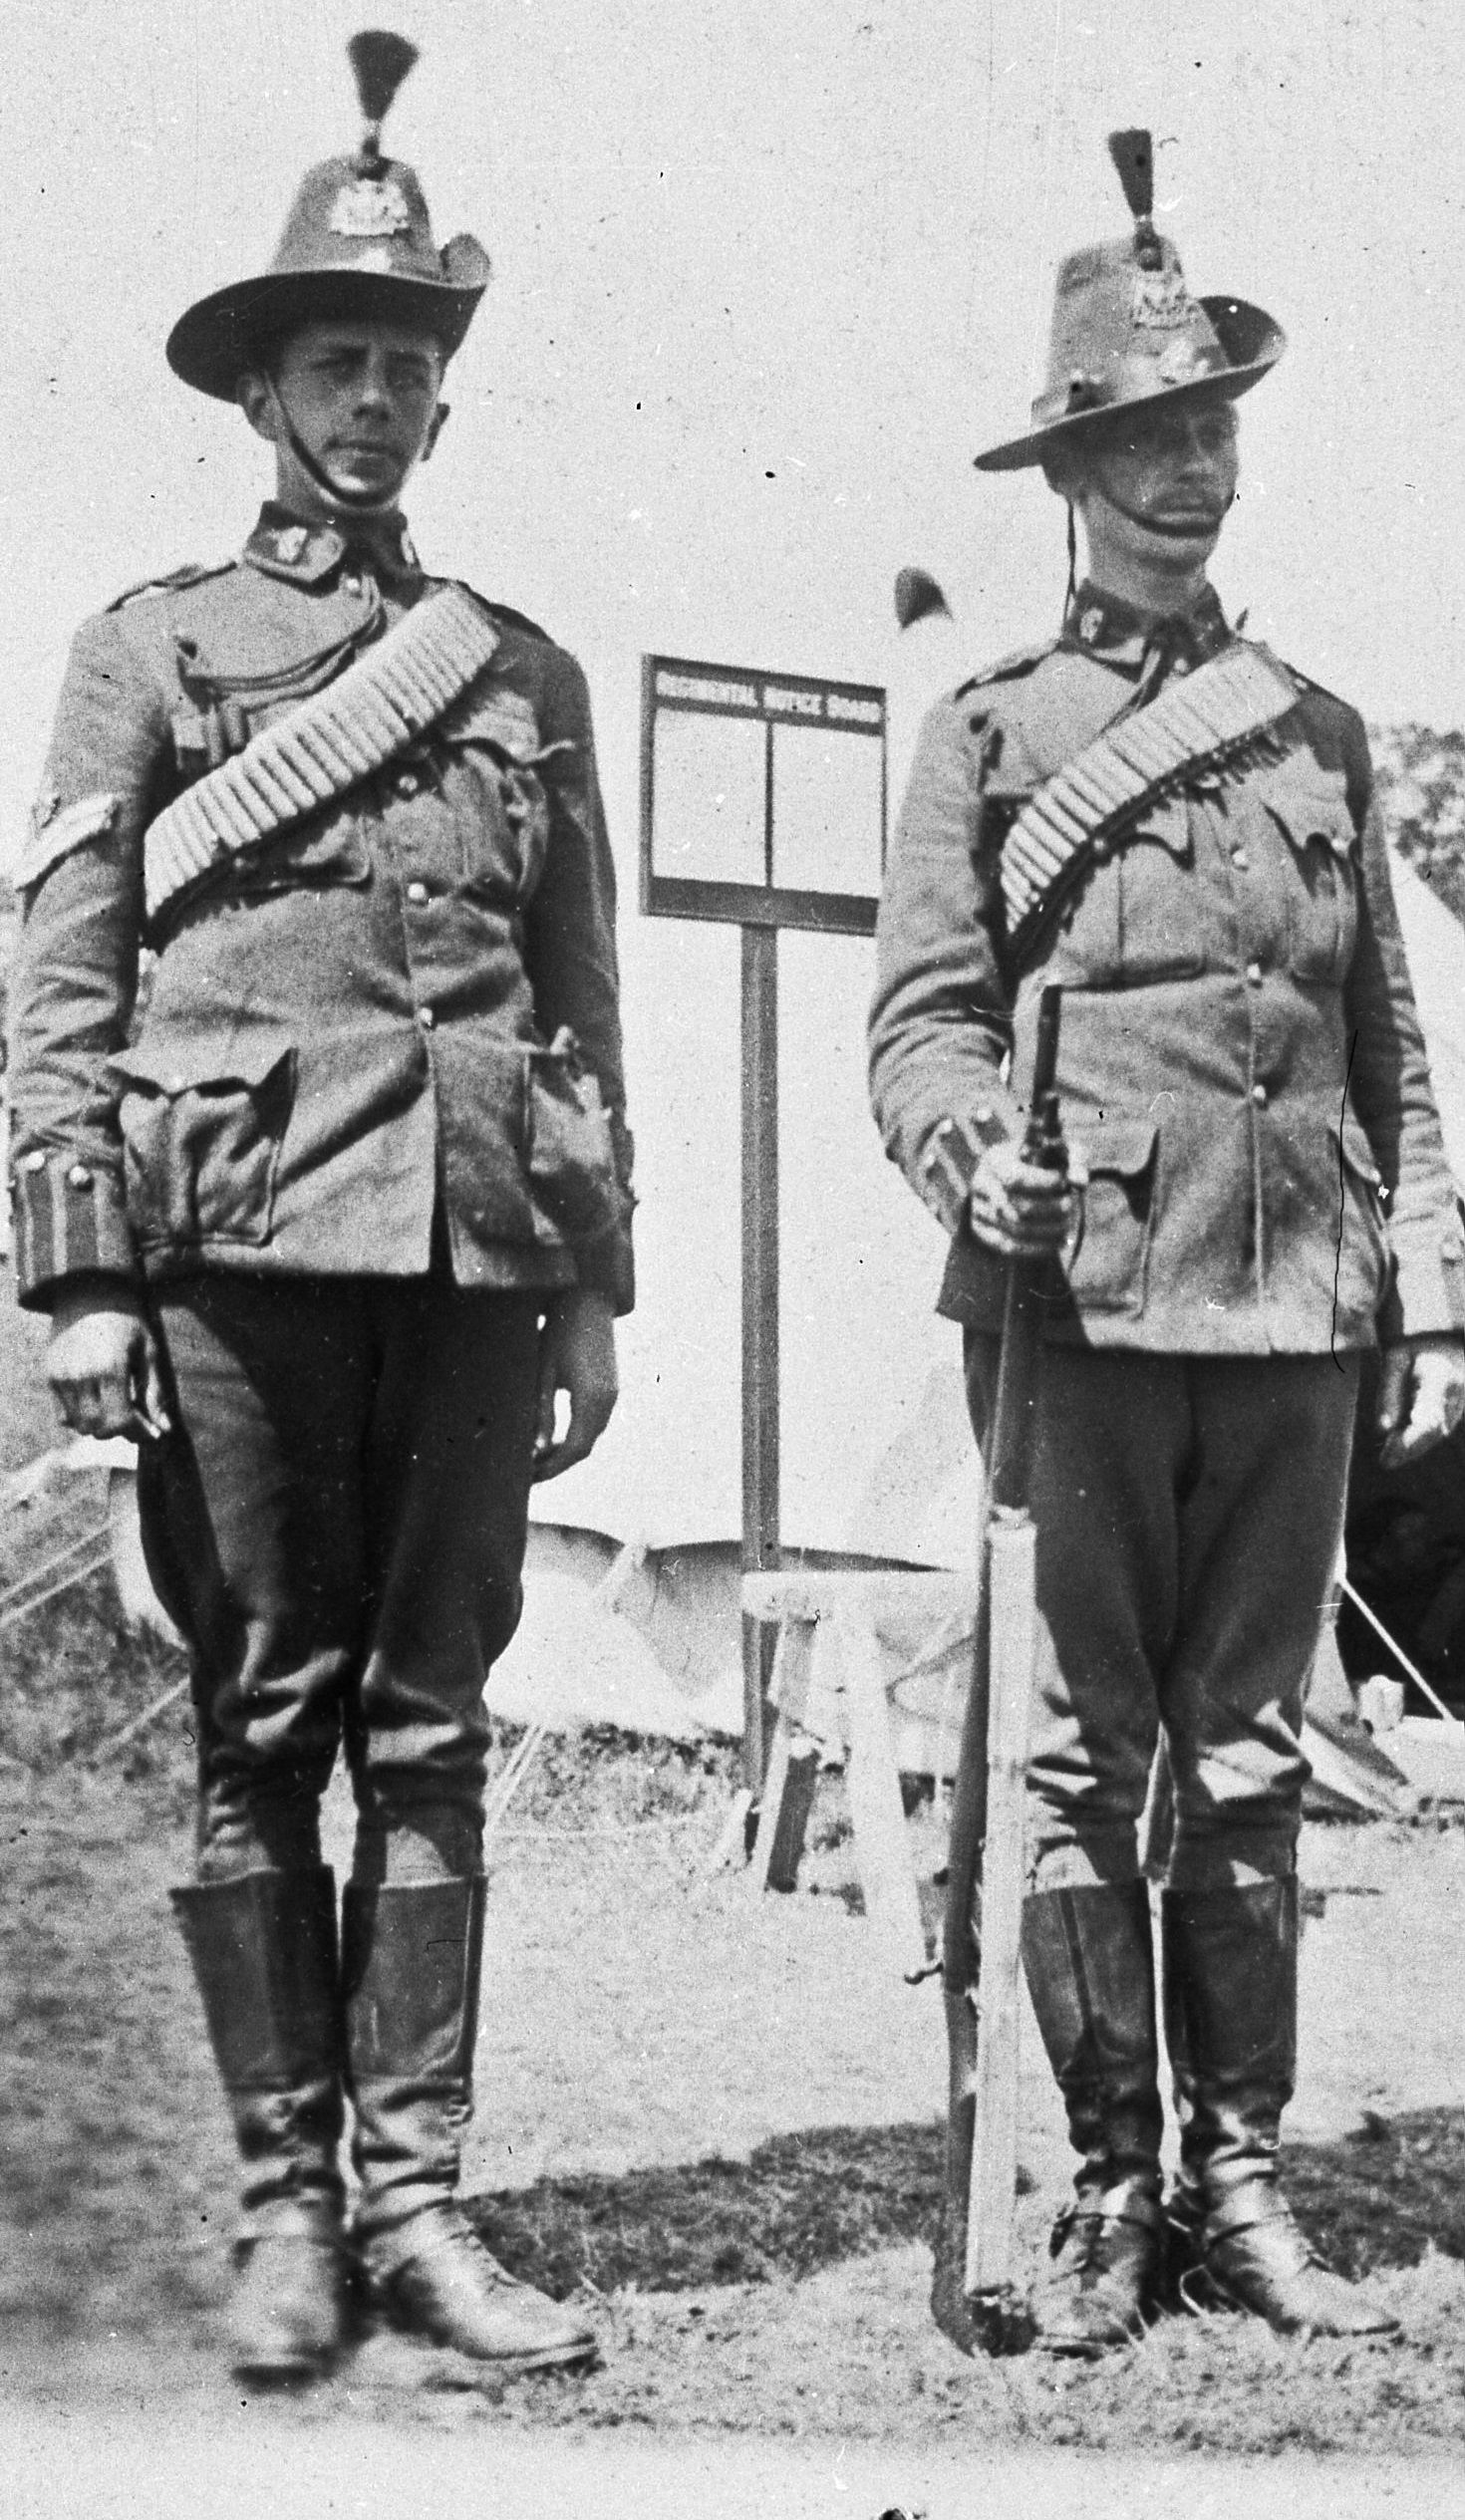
(307, 552)
(1105, 626)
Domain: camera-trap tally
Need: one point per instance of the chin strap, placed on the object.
(1132, 516)
(356, 502)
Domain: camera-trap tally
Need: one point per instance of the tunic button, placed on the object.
(416, 892)
(79, 1176)
(34, 1163)
(350, 585)
(1253, 974)
(1258, 1096)
(426, 1019)
(408, 783)
(1238, 858)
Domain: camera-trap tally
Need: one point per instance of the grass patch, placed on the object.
(74, 1673)
(1388, 2195)
(800, 2203)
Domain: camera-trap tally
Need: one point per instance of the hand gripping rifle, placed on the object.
(973, 2296)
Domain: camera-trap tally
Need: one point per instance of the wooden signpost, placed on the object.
(762, 806)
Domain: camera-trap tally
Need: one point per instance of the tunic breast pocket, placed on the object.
(492, 742)
(310, 851)
(1310, 807)
(202, 1126)
(326, 850)
(1160, 911)
(1134, 916)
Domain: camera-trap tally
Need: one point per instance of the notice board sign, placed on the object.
(763, 797)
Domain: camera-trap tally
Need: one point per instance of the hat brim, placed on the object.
(215, 341)
(1252, 340)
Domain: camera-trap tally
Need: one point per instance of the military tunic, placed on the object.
(1243, 1069)
(351, 1029)
(342, 1147)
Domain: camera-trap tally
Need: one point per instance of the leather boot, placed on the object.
(263, 1951)
(411, 1966)
(1230, 1970)
(1089, 1961)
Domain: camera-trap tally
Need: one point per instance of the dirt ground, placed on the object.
(717, 2120)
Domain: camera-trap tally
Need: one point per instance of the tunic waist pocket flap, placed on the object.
(1308, 802)
(202, 1124)
(1107, 1270)
(572, 1165)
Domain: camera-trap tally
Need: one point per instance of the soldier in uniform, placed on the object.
(1182, 832)
(341, 1229)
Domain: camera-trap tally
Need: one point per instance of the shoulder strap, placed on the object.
(1207, 717)
(338, 738)
(192, 573)
(1007, 669)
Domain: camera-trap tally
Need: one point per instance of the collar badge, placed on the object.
(371, 208)
(290, 543)
(1090, 625)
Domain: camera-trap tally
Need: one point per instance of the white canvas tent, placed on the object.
(1435, 942)
(877, 1460)
(877, 1457)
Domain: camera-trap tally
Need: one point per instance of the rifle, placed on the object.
(973, 2294)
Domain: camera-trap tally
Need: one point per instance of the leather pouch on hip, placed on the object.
(201, 1128)
(572, 1164)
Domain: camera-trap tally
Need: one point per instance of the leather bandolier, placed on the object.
(324, 747)
(1217, 716)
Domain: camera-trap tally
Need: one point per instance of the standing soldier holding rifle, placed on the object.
(1181, 832)
(339, 1229)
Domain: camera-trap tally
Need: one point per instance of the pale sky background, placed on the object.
(766, 278)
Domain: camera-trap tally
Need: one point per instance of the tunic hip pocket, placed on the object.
(572, 1163)
(1109, 1266)
(1363, 1257)
(203, 1128)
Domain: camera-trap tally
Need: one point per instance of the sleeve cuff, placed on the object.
(69, 1221)
(1429, 1293)
(607, 1267)
(951, 1154)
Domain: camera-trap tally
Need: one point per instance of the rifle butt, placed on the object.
(1013, 1660)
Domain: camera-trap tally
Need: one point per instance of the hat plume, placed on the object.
(380, 61)
(1133, 153)
(917, 595)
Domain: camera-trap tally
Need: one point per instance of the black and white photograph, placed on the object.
(733, 1354)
